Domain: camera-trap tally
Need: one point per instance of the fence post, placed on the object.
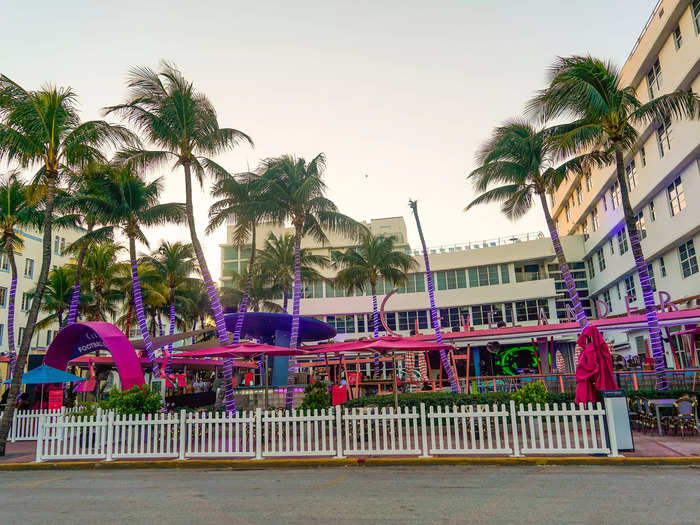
(183, 437)
(258, 432)
(338, 433)
(13, 427)
(109, 427)
(614, 453)
(516, 435)
(424, 432)
(39, 439)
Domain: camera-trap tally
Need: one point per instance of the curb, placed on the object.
(244, 464)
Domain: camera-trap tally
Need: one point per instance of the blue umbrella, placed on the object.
(45, 374)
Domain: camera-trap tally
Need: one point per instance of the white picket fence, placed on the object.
(25, 423)
(450, 430)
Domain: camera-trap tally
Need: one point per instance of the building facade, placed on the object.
(663, 173)
(28, 262)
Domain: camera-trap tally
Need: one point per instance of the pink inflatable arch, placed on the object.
(83, 338)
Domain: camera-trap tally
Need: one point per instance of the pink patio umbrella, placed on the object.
(384, 345)
(594, 371)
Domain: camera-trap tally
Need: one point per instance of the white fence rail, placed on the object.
(25, 423)
(453, 430)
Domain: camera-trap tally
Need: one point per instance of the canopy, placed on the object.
(45, 374)
(383, 344)
(247, 349)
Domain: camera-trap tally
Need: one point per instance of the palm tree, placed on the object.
(174, 262)
(57, 296)
(242, 199)
(182, 122)
(99, 279)
(43, 128)
(431, 294)
(259, 289)
(296, 191)
(606, 112)
(277, 261)
(518, 159)
(18, 209)
(127, 202)
(362, 265)
(85, 182)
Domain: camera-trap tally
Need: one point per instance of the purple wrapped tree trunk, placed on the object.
(171, 331)
(74, 302)
(375, 326)
(140, 312)
(11, 322)
(294, 336)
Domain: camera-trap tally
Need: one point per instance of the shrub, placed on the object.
(137, 400)
(533, 392)
(84, 411)
(316, 396)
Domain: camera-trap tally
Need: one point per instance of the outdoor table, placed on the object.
(659, 404)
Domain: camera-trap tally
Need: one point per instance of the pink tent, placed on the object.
(594, 371)
(247, 349)
(382, 344)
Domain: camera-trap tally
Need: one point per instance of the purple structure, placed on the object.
(79, 339)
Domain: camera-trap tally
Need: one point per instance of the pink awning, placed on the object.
(84, 361)
(247, 349)
(382, 344)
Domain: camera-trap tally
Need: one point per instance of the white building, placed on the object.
(28, 262)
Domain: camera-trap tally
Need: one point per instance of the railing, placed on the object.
(470, 430)
(25, 423)
(486, 243)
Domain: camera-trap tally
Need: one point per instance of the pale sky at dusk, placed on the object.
(403, 92)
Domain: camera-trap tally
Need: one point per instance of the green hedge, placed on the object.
(489, 398)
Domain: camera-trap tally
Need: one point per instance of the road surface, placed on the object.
(423, 495)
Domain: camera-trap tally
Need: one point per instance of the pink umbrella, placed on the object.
(594, 371)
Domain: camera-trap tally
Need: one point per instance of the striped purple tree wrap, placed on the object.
(436, 326)
(171, 331)
(580, 313)
(74, 302)
(141, 319)
(239, 319)
(221, 332)
(11, 327)
(656, 342)
(375, 325)
(294, 336)
(160, 326)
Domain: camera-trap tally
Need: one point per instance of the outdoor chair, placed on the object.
(683, 418)
(646, 418)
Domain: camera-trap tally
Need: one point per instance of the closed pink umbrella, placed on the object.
(594, 371)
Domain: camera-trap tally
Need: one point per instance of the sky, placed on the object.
(398, 95)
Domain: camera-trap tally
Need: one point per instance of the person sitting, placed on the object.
(23, 402)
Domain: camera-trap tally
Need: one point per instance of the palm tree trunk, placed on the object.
(160, 324)
(59, 314)
(579, 312)
(138, 307)
(11, 309)
(285, 299)
(214, 300)
(9, 412)
(296, 299)
(657, 345)
(75, 298)
(433, 311)
(244, 300)
(375, 326)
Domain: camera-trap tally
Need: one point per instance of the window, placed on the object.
(631, 172)
(505, 275)
(361, 323)
(652, 212)
(689, 263)
(2, 332)
(56, 245)
(579, 194)
(345, 324)
(451, 279)
(654, 79)
(615, 195)
(606, 299)
(605, 203)
(29, 268)
(483, 275)
(4, 262)
(3, 296)
(630, 289)
(663, 136)
(312, 290)
(643, 156)
(480, 314)
(26, 301)
(567, 211)
(601, 259)
(641, 226)
(49, 336)
(63, 245)
(587, 179)
(676, 196)
(696, 16)
(622, 241)
(451, 317)
(617, 289)
(662, 266)
(415, 282)
(650, 271)
(595, 224)
(584, 227)
(677, 38)
(527, 272)
(591, 268)
(528, 310)
(612, 246)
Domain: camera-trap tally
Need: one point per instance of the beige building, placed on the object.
(663, 174)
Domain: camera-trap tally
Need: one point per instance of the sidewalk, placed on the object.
(648, 445)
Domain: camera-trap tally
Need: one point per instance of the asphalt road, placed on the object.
(444, 494)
